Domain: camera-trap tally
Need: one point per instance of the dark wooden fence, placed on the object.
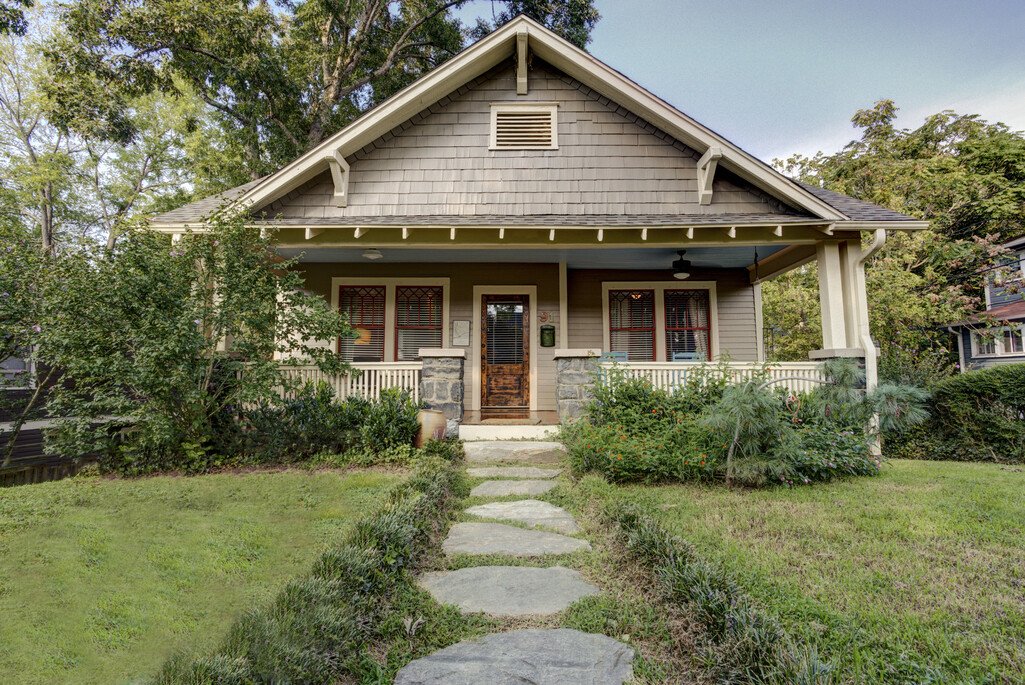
(30, 464)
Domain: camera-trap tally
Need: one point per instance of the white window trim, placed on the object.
(475, 366)
(29, 373)
(551, 108)
(660, 311)
(998, 342)
(390, 285)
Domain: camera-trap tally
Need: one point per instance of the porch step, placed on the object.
(477, 432)
(526, 451)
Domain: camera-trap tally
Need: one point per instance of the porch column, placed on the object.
(574, 378)
(831, 298)
(441, 383)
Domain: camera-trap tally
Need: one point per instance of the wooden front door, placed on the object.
(505, 354)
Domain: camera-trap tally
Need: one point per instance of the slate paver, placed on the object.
(541, 657)
(502, 488)
(508, 590)
(512, 472)
(497, 538)
(529, 511)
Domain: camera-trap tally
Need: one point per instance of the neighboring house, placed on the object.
(522, 206)
(994, 337)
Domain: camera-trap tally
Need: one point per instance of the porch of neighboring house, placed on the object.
(504, 339)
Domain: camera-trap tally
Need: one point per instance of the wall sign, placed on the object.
(461, 333)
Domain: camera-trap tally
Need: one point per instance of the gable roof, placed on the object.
(484, 55)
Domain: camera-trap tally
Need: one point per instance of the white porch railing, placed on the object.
(369, 383)
(668, 375)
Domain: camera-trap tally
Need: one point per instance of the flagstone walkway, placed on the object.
(541, 657)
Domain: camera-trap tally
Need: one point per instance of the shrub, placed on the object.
(743, 432)
(975, 416)
(313, 423)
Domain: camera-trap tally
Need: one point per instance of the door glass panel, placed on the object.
(504, 322)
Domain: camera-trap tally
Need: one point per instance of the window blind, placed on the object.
(632, 323)
(504, 329)
(688, 331)
(417, 320)
(363, 306)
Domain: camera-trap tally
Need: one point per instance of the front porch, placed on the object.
(494, 323)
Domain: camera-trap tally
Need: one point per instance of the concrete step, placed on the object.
(474, 432)
(525, 451)
(508, 590)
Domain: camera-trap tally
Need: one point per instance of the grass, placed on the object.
(101, 580)
(915, 576)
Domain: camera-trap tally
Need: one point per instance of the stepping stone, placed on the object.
(508, 590)
(538, 657)
(512, 472)
(532, 452)
(499, 488)
(497, 538)
(530, 511)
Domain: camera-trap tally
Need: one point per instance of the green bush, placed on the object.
(975, 416)
(746, 432)
(313, 422)
(317, 630)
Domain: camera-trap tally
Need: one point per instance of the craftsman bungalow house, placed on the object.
(523, 206)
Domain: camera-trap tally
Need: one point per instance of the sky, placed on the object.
(779, 77)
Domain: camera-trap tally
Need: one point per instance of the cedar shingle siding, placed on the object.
(608, 162)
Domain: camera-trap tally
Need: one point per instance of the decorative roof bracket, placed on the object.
(706, 174)
(340, 176)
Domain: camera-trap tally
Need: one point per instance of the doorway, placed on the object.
(505, 355)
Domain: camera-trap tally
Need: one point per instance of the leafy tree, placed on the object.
(966, 176)
(12, 16)
(168, 342)
(280, 78)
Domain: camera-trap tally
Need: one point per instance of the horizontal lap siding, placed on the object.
(463, 278)
(438, 163)
(735, 303)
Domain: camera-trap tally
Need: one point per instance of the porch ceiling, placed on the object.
(577, 258)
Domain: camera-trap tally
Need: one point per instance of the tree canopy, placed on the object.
(280, 77)
(963, 174)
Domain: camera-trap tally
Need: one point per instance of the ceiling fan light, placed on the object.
(372, 254)
(681, 266)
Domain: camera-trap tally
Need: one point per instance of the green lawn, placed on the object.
(100, 580)
(927, 559)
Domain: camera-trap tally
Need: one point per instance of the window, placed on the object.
(364, 308)
(985, 344)
(1012, 342)
(524, 126)
(16, 372)
(688, 331)
(632, 323)
(417, 320)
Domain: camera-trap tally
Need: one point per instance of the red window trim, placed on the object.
(441, 319)
(708, 316)
(654, 343)
(384, 312)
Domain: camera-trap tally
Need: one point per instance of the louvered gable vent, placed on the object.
(524, 127)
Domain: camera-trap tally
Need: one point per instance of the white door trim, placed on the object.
(475, 366)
